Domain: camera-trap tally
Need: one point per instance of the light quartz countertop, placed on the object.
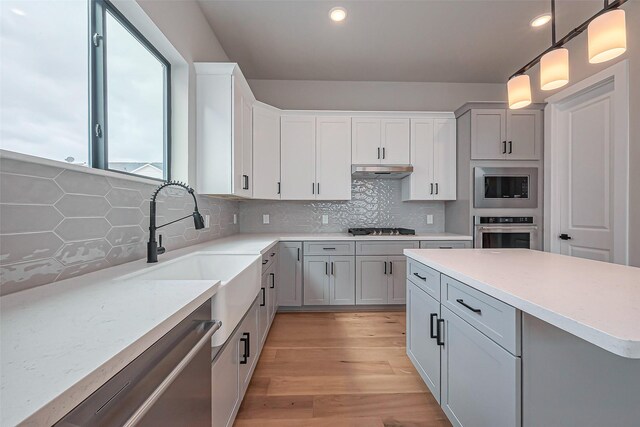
(596, 301)
(61, 342)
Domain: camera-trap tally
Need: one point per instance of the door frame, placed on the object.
(553, 157)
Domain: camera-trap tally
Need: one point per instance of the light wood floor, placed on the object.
(339, 370)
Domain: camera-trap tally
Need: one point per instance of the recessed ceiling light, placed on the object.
(539, 21)
(18, 12)
(338, 14)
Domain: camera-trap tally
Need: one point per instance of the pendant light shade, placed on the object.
(554, 69)
(519, 90)
(607, 36)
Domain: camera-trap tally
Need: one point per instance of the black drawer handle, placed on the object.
(264, 297)
(265, 261)
(420, 277)
(273, 254)
(246, 353)
(431, 331)
(475, 310)
(440, 332)
(273, 280)
(328, 249)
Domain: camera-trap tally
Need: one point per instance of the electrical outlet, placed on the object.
(235, 218)
(325, 219)
(207, 221)
(265, 219)
(429, 219)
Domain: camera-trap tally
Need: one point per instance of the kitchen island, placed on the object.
(525, 338)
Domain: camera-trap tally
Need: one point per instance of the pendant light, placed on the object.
(519, 90)
(554, 65)
(607, 36)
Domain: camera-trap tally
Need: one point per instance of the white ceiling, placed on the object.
(465, 41)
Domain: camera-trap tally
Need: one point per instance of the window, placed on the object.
(115, 116)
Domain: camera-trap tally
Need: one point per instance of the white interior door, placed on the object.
(333, 158)
(298, 157)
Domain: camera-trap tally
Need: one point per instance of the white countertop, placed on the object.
(596, 301)
(60, 342)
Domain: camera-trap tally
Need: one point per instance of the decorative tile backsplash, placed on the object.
(57, 223)
(374, 203)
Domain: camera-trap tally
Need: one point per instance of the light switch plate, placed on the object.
(265, 219)
(325, 219)
(207, 221)
(429, 219)
(235, 218)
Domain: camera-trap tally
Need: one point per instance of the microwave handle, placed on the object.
(512, 229)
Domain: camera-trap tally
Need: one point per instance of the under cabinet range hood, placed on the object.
(380, 171)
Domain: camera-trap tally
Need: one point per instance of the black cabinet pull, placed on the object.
(385, 267)
(313, 188)
(510, 147)
(298, 254)
(246, 352)
(279, 188)
(332, 268)
(383, 153)
(464, 304)
(436, 188)
(432, 333)
(328, 249)
(378, 153)
(504, 147)
(420, 277)
(245, 178)
(265, 261)
(264, 297)
(440, 332)
(431, 188)
(326, 268)
(273, 280)
(390, 267)
(318, 188)
(272, 254)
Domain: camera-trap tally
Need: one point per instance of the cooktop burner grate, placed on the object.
(386, 231)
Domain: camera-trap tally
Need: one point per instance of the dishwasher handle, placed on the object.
(212, 327)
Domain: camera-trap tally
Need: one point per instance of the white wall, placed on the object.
(400, 96)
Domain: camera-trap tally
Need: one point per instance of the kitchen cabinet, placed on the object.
(422, 344)
(316, 158)
(380, 141)
(499, 134)
(445, 244)
(289, 287)
(433, 155)
(266, 152)
(224, 130)
(272, 292)
(380, 279)
(264, 319)
(225, 382)
(329, 280)
(248, 346)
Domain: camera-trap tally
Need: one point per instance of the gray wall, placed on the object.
(57, 223)
(374, 203)
(371, 96)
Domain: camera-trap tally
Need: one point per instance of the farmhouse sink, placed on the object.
(239, 277)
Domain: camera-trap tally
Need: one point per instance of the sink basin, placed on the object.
(239, 277)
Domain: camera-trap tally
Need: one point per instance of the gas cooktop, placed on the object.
(381, 231)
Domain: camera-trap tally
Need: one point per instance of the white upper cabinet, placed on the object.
(266, 152)
(316, 158)
(380, 141)
(498, 134)
(224, 132)
(333, 158)
(298, 157)
(433, 155)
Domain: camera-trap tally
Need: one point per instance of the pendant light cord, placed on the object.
(553, 21)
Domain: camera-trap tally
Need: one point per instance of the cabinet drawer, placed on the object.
(384, 248)
(445, 244)
(329, 248)
(424, 277)
(495, 319)
(269, 257)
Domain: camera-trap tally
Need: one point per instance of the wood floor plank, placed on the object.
(339, 370)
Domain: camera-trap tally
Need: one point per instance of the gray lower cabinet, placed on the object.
(226, 384)
(289, 274)
(248, 341)
(423, 312)
(381, 279)
(329, 280)
(480, 380)
(263, 307)
(445, 244)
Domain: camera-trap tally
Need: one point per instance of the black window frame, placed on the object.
(98, 130)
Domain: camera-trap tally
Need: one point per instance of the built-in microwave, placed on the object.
(505, 187)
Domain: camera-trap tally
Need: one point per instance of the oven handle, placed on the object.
(511, 229)
(164, 385)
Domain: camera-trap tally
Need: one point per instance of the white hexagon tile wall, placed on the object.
(57, 223)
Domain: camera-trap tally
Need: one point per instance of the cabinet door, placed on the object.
(333, 158)
(397, 283)
(247, 146)
(249, 331)
(480, 379)
(418, 185)
(272, 291)
(225, 384)
(239, 180)
(343, 280)
(422, 314)
(298, 157)
(524, 135)
(316, 280)
(366, 141)
(263, 309)
(488, 134)
(266, 153)
(395, 142)
(371, 280)
(289, 287)
(444, 159)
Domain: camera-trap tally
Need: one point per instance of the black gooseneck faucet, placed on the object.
(153, 248)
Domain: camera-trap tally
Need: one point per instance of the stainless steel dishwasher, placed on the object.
(167, 385)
